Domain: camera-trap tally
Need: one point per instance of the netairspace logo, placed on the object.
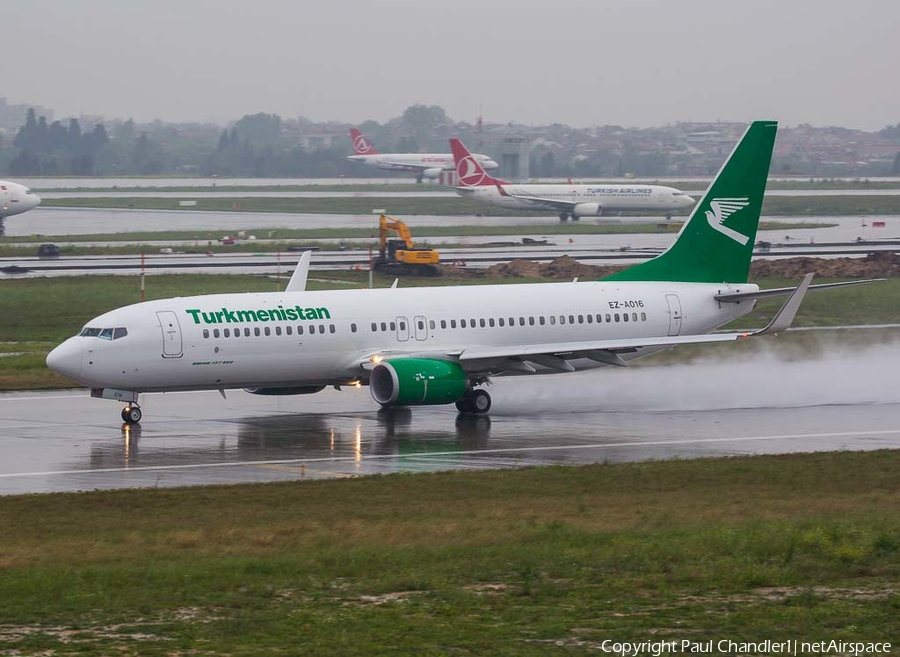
(730, 647)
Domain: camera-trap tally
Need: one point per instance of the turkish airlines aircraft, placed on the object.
(15, 199)
(439, 345)
(424, 165)
(574, 201)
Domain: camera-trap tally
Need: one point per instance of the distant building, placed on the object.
(12, 116)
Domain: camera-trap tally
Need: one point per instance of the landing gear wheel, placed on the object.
(575, 217)
(464, 405)
(131, 414)
(563, 216)
(481, 402)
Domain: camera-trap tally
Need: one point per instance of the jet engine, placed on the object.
(417, 381)
(587, 210)
(286, 390)
(432, 173)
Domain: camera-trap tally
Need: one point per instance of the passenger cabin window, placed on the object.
(256, 331)
(267, 330)
(353, 328)
(443, 323)
(321, 329)
(331, 328)
(205, 333)
(481, 322)
(502, 322)
(215, 333)
(288, 329)
(277, 330)
(643, 317)
(226, 333)
(246, 332)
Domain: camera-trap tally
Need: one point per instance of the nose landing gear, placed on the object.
(131, 414)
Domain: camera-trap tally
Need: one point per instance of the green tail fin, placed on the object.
(716, 242)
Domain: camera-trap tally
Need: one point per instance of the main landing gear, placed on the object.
(131, 414)
(564, 216)
(474, 401)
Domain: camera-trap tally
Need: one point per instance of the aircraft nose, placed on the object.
(66, 359)
(35, 201)
(689, 201)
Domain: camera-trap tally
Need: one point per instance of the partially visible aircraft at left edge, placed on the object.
(441, 345)
(424, 165)
(15, 199)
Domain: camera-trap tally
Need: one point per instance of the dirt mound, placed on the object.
(874, 265)
(562, 267)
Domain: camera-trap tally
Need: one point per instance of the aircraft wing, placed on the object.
(552, 203)
(486, 360)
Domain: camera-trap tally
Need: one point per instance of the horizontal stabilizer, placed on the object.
(785, 291)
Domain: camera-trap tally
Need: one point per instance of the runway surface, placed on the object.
(64, 441)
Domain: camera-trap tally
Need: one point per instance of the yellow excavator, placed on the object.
(399, 257)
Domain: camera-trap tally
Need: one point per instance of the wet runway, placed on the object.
(62, 441)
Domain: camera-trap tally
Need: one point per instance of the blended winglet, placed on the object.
(301, 273)
(785, 317)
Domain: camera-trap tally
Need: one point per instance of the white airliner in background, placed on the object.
(439, 345)
(15, 199)
(574, 201)
(424, 165)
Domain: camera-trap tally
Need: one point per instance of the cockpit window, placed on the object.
(28, 191)
(105, 333)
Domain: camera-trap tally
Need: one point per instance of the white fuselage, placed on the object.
(258, 340)
(613, 198)
(429, 164)
(16, 199)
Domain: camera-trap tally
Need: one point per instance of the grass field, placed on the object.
(29, 329)
(779, 205)
(535, 561)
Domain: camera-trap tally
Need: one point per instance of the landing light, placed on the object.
(376, 359)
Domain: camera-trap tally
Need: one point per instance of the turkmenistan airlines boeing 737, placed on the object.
(439, 345)
(574, 201)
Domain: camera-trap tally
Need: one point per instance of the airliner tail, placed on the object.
(360, 145)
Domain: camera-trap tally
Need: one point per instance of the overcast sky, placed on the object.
(593, 62)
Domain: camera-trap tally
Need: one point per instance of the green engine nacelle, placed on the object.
(417, 381)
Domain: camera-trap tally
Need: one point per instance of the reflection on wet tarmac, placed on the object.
(762, 404)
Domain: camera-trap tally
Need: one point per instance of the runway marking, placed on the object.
(470, 452)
